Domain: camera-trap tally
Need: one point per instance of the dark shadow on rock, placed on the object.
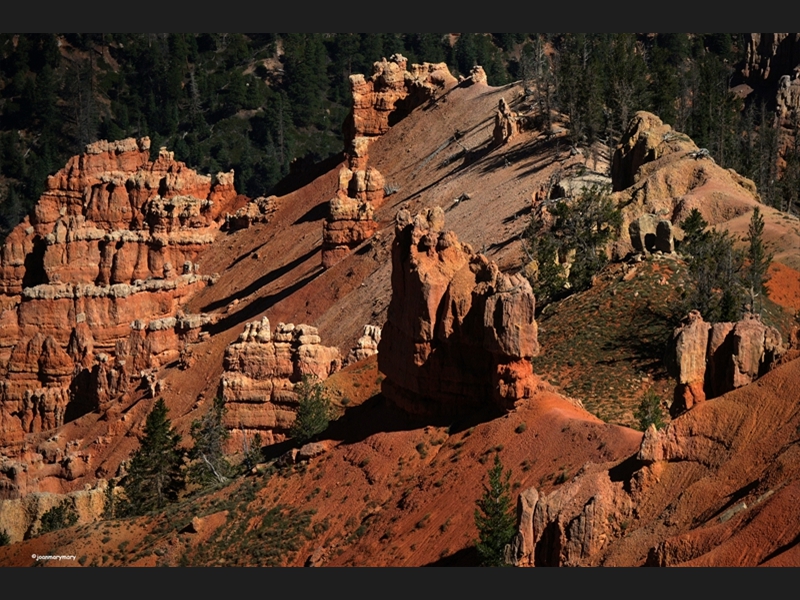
(624, 471)
(315, 213)
(303, 171)
(259, 305)
(374, 415)
(261, 281)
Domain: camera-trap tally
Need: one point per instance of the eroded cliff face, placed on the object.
(261, 370)
(92, 282)
(660, 172)
(712, 359)
(459, 334)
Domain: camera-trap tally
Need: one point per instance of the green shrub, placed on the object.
(650, 412)
(58, 517)
(576, 231)
(313, 411)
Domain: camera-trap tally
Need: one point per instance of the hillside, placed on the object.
(103, 314)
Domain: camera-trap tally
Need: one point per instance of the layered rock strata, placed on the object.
(390, 93)
(256, 211)
(350, 219)
(712, 359)
(91, 283)
(459, 333)
(715, 487)
(261, 370)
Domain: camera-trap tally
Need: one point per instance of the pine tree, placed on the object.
(493, 517)
(154, 476)
(313, 412)
(209, 435)
(755, 271)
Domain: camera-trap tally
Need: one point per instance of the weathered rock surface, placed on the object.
(261, 370)
(350, 213)
(770, 56)
(714, 359)
(649, 233)
(658, 171)
(572, 524)
(21, 518)
(717, 486)
(100, 268)
(390, 93)
(256, 211)
(506, 124)
(367, 344)
(459, 333)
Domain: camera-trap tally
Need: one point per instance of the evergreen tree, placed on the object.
(313, 411)
(5, 539)
(58, 517)
(649, 411)
(758, 260)
(579, 232)
(209, 435)
(494, 517)
(154, 475)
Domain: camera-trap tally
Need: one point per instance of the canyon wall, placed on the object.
(92, 282)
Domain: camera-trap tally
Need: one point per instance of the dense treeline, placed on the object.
(257, 102)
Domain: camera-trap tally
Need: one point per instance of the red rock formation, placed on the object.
(713, 360)
(770, 56)
(773, 59)
(691, 346)
(261, 369)
(505, 124)
(257, 211)
(391, 92)
(459, 334)
(107, 254)
(350, 214)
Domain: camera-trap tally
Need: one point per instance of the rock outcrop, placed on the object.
(367, 344)
(261, 370)
(93, 280)
(716, 486)
(21, 518)
(390, 93)
(379, 101)
(773, 62)
(770, 56)
(658, 171)
(649, 233)
(714, 359)
(459, 333)
(506, 124)
(572, 524)
(350, 219)
(256, 211)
